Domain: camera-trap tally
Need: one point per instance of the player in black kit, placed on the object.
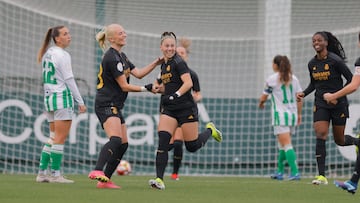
(112, 90)
(326, 70)
(352, 184)
(177, 140)
(178, 109)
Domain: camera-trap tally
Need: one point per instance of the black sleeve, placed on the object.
(131, 65)
(195, 80)
(311, 87)
(182, 68)
(345, 71)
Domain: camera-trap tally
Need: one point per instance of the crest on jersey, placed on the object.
(326, 67)
(168, 68)
(120, 67)
(114, 110)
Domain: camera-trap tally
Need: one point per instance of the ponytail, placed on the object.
(185, 42)
(52, 33)
(100, 38)
(45, 45)
(284, 67)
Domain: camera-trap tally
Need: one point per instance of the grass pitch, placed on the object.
(23, 188)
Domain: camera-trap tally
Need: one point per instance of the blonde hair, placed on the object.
(186, 43)
(103, 35)
(100, 38)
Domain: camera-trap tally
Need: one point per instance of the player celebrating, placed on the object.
(60, 90)
(177, 140)
(112, 90)
(178, 109)
(286, 112)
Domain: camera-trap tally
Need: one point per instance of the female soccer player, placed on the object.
(326, 70)
(177, 140)
(112, 90)
(286, 112)
(178, 109)
(60, 90)
(350, 185)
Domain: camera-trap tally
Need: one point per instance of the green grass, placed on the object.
(23, 188)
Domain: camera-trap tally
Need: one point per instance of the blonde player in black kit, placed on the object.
(112, 90)
(178, 109)
(326, 70)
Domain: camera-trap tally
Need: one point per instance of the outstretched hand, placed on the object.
(160, 60)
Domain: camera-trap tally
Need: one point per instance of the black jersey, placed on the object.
(326, 76)
(171, 78)
(195, 80)
(113, 65)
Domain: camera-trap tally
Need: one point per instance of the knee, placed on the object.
(116, 141)
(164, 139)
(339, 140)
(191, 146)
(321, 134)
(178, 144)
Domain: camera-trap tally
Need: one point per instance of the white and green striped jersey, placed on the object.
(283, 100)
(56, 64)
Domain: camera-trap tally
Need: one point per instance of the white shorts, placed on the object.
(59, 115)
(284, 129)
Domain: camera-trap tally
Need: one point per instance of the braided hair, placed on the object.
(334, 44)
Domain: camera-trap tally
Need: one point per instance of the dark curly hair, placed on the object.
(334, 44)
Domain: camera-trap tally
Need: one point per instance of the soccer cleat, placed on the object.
(60, 179)
(320, 180)
(277, 176)
(175, 176)
(109, 185)
(157, 184)
(215, 133)
(347, 185)
(41, 178)
(294, 177)
(98, 175)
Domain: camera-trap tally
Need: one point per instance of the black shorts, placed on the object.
(182, 116)
(337, 115)
(103, 113)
